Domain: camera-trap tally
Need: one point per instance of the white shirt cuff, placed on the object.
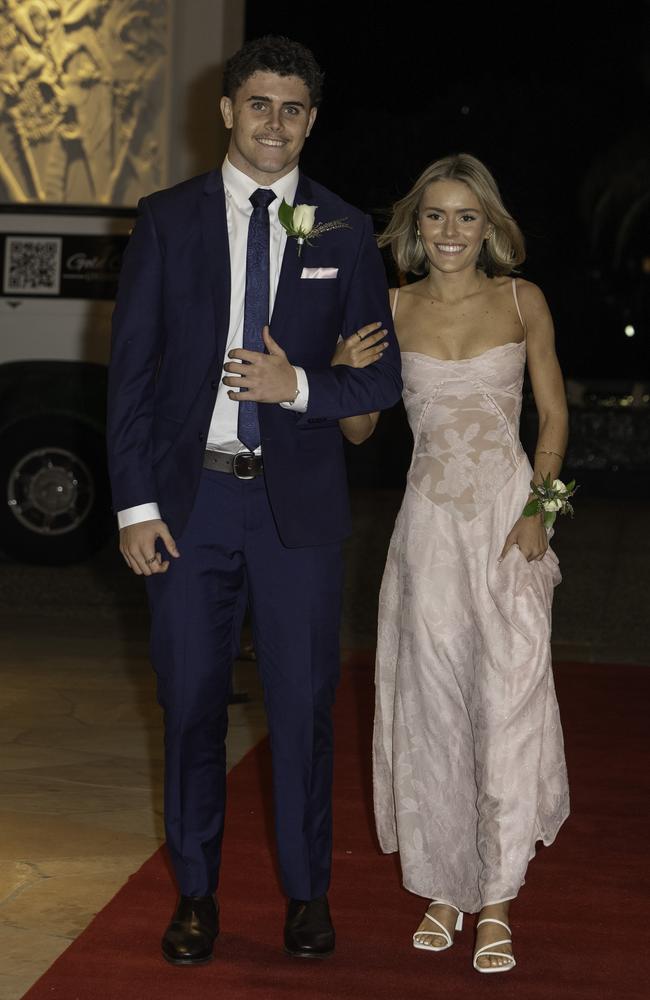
(134, 515)
(299, 404)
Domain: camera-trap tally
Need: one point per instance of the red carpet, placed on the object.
(580, 924)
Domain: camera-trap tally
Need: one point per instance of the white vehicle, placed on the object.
(58, 278)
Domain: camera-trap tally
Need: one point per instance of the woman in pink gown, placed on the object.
(469, 770)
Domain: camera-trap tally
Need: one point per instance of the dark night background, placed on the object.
(554, 99)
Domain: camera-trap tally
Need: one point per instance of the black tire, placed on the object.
(54, 499)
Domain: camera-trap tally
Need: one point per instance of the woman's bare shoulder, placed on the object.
(531, 297)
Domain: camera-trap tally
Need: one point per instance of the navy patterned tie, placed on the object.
(256, 302)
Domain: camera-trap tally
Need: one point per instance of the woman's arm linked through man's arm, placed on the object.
(363, 348)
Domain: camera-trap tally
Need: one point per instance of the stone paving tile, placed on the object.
(80, 785)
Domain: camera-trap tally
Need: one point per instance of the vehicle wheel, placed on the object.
(54, 501)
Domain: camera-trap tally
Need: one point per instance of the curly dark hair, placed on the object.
(274, 54)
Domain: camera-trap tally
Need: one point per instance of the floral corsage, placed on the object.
(300, 222)
(550, 498)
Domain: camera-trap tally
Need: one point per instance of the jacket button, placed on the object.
(201, 436)
(215, 383)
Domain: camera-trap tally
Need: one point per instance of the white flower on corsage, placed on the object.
(299, 221)
(550, 498)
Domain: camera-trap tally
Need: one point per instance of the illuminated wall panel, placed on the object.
(93, 94)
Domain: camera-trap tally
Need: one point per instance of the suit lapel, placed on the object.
(214, 229)
(292, 264)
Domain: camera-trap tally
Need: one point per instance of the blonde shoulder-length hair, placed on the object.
(500, 254)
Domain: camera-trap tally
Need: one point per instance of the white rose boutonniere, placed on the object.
(299, 221)
(550, 498)
(304, 219)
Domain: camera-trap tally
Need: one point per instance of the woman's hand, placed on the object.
(530, 535)
(363, 348)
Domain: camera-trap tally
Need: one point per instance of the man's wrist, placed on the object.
(137, 514)
(291, 401)
(301, 394)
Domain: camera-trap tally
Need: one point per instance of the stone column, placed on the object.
(206, 33)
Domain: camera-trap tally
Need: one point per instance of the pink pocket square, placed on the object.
(319, 272)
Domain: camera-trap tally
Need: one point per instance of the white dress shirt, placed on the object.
(238, 187)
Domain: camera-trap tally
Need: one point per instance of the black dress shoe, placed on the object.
(308, 931)
(194, 926)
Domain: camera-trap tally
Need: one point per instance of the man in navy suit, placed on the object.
(229, 479)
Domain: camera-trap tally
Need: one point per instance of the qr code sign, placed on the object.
(32, 265)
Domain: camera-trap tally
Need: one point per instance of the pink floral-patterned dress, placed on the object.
(469, 769)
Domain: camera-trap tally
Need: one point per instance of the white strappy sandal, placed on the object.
(443, 932)
(487, 949)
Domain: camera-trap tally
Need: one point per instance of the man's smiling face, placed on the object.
(270, 117)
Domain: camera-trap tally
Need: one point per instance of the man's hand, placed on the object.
(262, 378)
(137, 545)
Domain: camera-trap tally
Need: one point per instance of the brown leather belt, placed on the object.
(243, 465)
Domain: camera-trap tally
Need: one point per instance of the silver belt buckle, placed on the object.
(235, 461)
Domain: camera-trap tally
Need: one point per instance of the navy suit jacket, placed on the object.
(170, 327)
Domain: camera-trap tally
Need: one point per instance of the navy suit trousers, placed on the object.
(230, 547)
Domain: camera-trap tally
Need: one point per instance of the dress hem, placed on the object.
(546, 839)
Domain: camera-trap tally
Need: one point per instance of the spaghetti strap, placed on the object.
(394, 309)
(514, 294)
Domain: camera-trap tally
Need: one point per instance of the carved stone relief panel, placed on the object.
(83, 99)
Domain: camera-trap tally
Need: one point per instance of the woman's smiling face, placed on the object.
(452, 225)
